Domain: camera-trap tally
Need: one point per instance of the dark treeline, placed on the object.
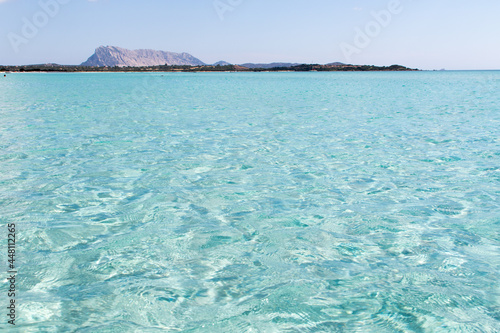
(206, 68)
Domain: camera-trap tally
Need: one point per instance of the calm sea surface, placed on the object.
(269, 202)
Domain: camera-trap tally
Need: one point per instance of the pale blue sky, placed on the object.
(451, 34)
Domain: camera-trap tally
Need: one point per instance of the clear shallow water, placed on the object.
(271, 202)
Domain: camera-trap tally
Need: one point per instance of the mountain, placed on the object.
(111, 56)
(336, 64)
(222, 63)
(272, 65)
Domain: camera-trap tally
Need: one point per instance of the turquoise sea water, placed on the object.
(269, 202)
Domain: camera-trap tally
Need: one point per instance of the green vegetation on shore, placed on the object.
(205, 68)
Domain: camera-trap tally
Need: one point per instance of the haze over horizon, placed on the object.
(419, 34)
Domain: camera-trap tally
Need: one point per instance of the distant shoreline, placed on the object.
(194, 69)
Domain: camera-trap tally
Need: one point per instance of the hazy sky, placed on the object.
(426, 34)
